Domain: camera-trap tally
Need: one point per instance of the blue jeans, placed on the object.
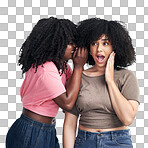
(29, 133)
(111, 139)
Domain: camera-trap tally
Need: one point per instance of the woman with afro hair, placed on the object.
(44, 57)
(108, 98)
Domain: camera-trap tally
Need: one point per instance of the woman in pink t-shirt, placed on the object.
(44, 57)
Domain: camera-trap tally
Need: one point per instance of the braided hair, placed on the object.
(92, 29)
(47, 42)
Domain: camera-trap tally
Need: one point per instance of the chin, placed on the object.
(100, 64)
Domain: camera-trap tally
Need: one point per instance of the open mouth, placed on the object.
(100, 58)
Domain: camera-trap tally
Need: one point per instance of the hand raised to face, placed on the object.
(80, 57)
(109, 71)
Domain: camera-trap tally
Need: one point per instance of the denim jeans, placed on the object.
(111, 139)
(28, 133)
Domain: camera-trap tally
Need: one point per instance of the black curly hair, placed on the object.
(92, 29)
(47, 42)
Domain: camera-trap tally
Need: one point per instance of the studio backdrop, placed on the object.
(17, 17)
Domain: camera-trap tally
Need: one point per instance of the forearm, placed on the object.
(69, 130)
(121, 105)
(69, 135)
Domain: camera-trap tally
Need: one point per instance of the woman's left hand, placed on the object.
(109, 72)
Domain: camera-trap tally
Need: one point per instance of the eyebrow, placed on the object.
(105, 39)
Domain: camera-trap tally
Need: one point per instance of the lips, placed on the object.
(100, 58)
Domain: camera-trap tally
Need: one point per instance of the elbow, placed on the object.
(68, 107)
(127, 121)
(68, 104)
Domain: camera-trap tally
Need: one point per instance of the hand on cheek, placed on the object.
(109, 72)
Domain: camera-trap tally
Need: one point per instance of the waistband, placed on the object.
(106, 134)
(33, 122)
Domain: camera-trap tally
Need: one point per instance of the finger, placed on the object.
(111, 56)
(114, 56)
(112, 59)
(112, 53)
(75, 53)
(79, 52)
(83, 52)
(86, 53)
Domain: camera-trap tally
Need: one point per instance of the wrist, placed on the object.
(78, 67)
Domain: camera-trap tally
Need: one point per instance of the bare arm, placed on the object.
(69, 130)
(126, 110)
(67, 99)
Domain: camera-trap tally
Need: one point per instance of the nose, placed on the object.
(99, 49)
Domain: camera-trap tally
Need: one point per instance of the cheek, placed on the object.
(67, 53)
(92, 51)
(109, 51)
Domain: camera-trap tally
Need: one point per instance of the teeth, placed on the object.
(100, 56)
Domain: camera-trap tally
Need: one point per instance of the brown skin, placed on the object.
(67, 100)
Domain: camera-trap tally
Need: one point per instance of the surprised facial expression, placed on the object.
(101, 50)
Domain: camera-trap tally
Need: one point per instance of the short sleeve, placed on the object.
(52, 84)
(68, 71)
(74, 111)
(44, 85)
(130, 88)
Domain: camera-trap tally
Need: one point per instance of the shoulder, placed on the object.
(123, 73)
(46, 69)
(125, 76)
(50, 66)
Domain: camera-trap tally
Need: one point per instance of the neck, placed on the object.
(94, 71)
(101, 70)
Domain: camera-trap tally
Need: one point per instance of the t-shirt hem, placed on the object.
(100, 127)
(40, 113)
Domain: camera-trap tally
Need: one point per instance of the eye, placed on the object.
(94, 44)
(105, 43)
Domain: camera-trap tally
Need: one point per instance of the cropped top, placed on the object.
(39, 89)
(93, 103)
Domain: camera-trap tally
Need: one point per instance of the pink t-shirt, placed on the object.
(38, 89)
